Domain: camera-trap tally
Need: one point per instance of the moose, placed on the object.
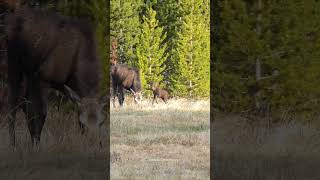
(3, 75)
(51, 51)
(124, 78)
(159, 93)
(3, 97)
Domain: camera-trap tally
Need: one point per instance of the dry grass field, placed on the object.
(147, 142)
(164, 141)
(250, 152)
(64, 154)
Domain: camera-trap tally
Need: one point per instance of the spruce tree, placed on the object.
(192, 55)
(169, 15)
(124, 26)
(151, 50)
(283, 36)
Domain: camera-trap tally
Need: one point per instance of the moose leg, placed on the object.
(60, 102)
(121, 95)
(114, 91)
(14, 85)
(114, 94)
(154, 98)
(36, 110)
(13, 105)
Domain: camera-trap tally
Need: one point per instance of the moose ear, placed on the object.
(72, 94)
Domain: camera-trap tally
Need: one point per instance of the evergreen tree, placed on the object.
(169, 15)
(192, 66)
(151, 50)
(125, 23)
(270, 49)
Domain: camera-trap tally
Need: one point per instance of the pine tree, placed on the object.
(192, 76)
(151, 50)
(125, 23)
(169, 15)
(282, 36)
(299, 86)
(244, 37)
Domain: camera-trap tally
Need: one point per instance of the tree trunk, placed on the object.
(258, 60)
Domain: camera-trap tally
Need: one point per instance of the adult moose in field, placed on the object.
(124, 78)
(52, 51)
(159, 93)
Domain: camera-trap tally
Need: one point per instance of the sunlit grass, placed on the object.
(161, 140)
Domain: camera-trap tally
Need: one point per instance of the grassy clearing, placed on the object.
(63, 154)
(281, 152)
(160, 141)
(147, 142)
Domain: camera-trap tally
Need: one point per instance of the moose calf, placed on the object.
(159, 93)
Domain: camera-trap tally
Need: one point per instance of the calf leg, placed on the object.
(164, 100)
(154, 98)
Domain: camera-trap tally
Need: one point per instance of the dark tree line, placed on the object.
(266, 56)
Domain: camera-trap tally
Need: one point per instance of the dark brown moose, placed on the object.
(3, 97)
(52, 51)
(124, 78)
(159, 93)
(3, 75)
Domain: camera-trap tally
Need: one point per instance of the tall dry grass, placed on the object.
(160, 141)
(64, 153)
(147, 142)
(253, 151)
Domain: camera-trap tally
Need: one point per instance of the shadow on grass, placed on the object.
(252, 167)
(249, 152)
(64, 153)
(45, 165)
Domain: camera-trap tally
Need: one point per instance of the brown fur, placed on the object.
(3, 97)
(49, 51)
(123, 78)
(159, 93)
(3, 60)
